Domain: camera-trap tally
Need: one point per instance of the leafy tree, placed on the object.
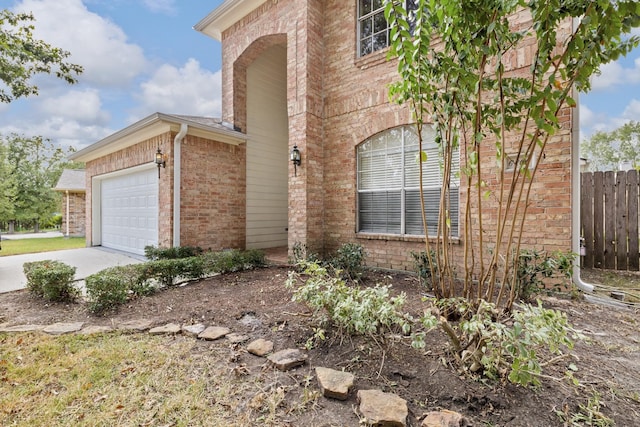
(22, 56)
(607, 150)
(456, 65)
(31, 168)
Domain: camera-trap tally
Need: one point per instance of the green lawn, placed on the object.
(31, 246)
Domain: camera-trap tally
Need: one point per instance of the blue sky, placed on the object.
(143, 56)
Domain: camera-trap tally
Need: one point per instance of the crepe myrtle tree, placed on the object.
(453, 63)
(22, 56)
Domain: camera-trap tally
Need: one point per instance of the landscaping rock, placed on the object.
(382, 409)
(63, 328)
(213, 333)
(334, 384)
(237, 338)
(288, 359)
(169, 328)
(445, 418)
(22, 328)
(94, 329)
(139, 325)
(260, 347)
(193, 330)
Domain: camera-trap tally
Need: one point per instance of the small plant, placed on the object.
(111, 287)
(537, 270)
(354, 310)
(589, 415)
(51, 280)
(349, 259)
(422, 267)
(301, 253)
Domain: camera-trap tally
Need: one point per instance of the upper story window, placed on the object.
(389, 183)
(373, 29)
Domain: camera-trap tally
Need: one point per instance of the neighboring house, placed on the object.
(314, 75)
(72, 186)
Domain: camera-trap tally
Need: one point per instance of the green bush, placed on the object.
(111, 287)
(349, 259)
(165, 271)
(353, 310)
(422, 267)
(153, 254)
(232, 260)
(51, 280)
(538, 270)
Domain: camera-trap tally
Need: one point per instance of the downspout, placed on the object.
(176, 183)
(575, 194)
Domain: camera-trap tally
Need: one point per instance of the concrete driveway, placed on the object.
(86, 260)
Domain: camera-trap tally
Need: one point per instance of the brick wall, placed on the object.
(213, 185)
(77, 217)
(336, 101)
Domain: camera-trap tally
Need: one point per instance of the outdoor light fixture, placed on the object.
(296, 159)
(160, 160)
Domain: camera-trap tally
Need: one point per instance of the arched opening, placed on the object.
(267, 148)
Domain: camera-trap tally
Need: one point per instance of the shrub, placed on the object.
(353, 310)
(349, 259)
(51, 280)
(232, 260)
(165, 271)
(422, 267)
(111, 287)
(152, 253)
(301, 253)
(537, 270)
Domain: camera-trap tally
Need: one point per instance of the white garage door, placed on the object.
(130, 211)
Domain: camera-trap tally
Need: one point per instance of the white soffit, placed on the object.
(225, 15)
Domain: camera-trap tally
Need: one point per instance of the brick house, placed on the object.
(72, 186)
(312, 75)
(316, 72)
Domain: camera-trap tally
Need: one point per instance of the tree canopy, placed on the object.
(607, 151)
(22, 56)
(30, 168)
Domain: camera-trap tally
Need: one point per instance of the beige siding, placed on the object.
(267, 150)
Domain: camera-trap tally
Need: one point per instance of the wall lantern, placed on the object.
(160, 160)
(296, 159)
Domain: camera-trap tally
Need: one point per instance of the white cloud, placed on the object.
(97, 44)
(81, 106)
(591, 122)
(188, 90)
(160, 6)
(613, 74)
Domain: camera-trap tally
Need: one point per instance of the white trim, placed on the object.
(225, 15)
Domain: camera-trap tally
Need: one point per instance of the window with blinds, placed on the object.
(389, 187)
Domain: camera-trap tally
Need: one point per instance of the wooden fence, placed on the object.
(609, 217)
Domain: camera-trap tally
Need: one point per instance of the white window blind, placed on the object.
(388, 183)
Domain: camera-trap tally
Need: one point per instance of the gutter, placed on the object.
(177, 172)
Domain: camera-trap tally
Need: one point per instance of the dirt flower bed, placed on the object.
(600, 377)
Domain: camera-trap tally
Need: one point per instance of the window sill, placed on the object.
(372, 59)
(402, 238)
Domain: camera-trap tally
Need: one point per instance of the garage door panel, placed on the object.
(130, 211)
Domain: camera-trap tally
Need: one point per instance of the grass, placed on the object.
(116, 380)
(45, 244)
